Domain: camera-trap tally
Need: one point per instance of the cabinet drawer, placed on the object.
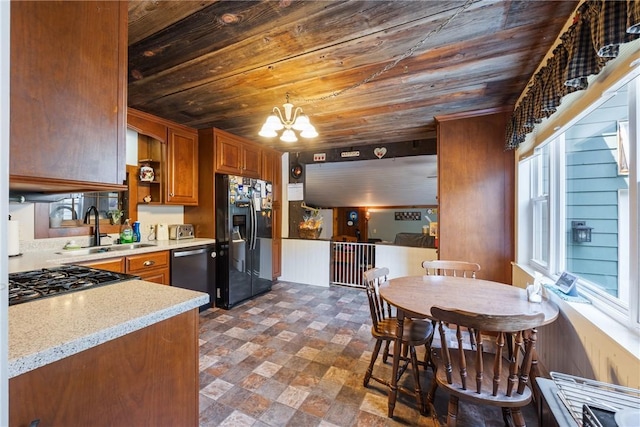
(111, 264)
(143, 262)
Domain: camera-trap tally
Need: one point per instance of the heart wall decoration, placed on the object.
(380, 152)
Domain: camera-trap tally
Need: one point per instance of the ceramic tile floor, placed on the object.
(296, 356)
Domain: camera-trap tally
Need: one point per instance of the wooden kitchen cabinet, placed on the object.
(172, 151)
(276, 241)
(235, 155)
(117, 265)
(151, 266)
(68, 96)
(272, 172)
(148, 377)
(271, 164)
(182, 167)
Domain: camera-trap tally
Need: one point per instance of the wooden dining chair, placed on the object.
(441, 267)
(415, 333)
(487, 374)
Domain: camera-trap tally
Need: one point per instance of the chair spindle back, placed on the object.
(441, 267)
(380, 310)
(518, 354)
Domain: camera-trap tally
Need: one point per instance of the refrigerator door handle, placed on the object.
(255, 226)
(250, 234)
(252, 219)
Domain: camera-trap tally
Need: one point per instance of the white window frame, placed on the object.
(538, 199)
(626, 314)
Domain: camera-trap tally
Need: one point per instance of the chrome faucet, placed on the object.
(96, 221)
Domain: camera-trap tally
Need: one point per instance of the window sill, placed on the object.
(587, 317)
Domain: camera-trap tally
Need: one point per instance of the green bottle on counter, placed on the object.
(126, 232)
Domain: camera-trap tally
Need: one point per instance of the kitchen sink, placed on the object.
(104, 249)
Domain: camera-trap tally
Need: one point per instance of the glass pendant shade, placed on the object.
(309, 132)
(267, 132)
(274, 122)
(288, 136)
(301, 122)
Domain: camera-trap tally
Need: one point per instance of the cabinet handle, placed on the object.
(148, 263)
(171, 194)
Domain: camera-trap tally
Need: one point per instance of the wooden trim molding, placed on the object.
(474, 113)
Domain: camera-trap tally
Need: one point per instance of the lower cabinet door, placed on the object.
(161, 277)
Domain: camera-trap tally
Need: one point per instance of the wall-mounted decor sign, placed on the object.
(380, 152)
(350, 154)
(408, 216)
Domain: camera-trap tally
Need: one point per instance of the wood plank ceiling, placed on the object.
(228, 63)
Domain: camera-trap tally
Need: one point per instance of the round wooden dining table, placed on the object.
(413, 296)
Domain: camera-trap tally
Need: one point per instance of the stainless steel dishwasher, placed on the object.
(194, 268)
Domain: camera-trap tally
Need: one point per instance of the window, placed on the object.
(71, 210)
(577, 179)
(540, 202)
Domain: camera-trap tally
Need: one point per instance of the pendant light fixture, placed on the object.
(293, 120)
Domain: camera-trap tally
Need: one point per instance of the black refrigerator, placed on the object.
(243, 239)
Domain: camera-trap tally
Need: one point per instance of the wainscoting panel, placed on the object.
(306, 261)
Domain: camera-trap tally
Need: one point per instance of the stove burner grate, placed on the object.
(30, 285)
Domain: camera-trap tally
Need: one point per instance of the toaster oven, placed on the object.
(181, 231)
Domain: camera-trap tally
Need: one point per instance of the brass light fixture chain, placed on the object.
(391, 65)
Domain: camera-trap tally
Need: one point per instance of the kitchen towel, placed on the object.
(13, 242)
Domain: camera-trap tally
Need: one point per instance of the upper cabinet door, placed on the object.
(68, 87)
(182, 167)
(251, 161)
(228, 154)
(235, 155)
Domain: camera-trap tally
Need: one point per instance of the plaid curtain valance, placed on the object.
(594, 38)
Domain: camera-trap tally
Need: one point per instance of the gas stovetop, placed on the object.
(30, 285)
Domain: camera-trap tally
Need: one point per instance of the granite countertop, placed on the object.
(51, 257)
(48, 329)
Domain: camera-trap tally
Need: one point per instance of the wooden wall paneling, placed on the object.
(476, 190)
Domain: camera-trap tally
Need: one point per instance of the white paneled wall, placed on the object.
(403, 260)
(306, 261)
